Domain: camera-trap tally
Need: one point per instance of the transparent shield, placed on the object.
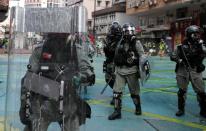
(48, 64)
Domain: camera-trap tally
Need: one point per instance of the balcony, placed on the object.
(146, 6)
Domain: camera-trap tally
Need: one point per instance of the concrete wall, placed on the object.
(89, 4)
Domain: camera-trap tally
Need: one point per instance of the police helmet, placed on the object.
(128, 29)
(115, 28)
(193, 32)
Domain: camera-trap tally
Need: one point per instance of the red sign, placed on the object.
(138, 29)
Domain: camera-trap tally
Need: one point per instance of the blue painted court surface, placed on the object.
(158, 97)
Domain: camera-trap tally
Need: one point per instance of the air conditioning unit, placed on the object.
(150, 2)
(155, 2)
(137, 4)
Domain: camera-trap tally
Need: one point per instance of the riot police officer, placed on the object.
(126, 61)
(113, 37)
(48, 93)
(189, 57)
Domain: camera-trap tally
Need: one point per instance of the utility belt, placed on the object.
(198, 68)
(135, 62)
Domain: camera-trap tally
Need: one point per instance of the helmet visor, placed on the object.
(129, 31)
(195, 36)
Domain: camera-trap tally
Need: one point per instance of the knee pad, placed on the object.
(134, 96)
(201, 96)
(181, 92)
(117, 95)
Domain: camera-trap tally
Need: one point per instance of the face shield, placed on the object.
(128, 32)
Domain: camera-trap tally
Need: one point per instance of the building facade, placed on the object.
(93, 6)
(42, 3)
(105, 17)
(166, 19)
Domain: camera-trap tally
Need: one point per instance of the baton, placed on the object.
(105, 86)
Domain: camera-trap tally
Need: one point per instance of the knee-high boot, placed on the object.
(117, 107)
(181, 102)
(137, 103)
(111, 84)
(201, 97)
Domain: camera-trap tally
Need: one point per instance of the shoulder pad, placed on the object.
(133, 38)
(179, 45)
(201, 41)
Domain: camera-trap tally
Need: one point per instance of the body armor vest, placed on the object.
(194, 54)
(57, 56)
(110, 48)
(127, 58)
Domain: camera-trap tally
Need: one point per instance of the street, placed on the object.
(158, 97)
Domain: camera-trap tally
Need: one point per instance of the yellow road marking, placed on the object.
(160, 117)
(10, 128)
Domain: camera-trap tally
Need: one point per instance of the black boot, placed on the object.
(115, 115)
(111, 84)
(137, 103)
(181, 102)
(112, 101)
(117, 107)
(201, 97)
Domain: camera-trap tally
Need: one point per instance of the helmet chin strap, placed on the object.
(193, 41)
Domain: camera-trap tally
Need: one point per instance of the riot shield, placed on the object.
(48, 62)
(145, 69)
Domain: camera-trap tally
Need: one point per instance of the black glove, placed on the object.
(91, 79)
(88, 76)
(200, 68)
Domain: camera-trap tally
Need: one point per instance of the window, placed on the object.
(151, 21)
(89, 23)
(99, 3)
(181, 12)
(160, 20)
(50, 4)
(107, 3)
